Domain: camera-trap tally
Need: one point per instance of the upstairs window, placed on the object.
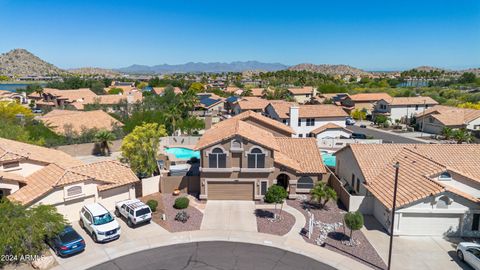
(443, 202)
(217, 159)
(256, 158)
(236, 144)
(310, 122)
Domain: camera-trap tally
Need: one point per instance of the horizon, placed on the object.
(372, 36)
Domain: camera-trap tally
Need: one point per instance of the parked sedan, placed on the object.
(68, 242)
(469, 253)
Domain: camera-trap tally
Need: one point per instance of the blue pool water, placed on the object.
(183, 153)
(329, 159)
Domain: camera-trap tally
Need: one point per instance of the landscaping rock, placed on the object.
(43, 262)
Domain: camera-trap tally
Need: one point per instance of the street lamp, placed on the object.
(397, 167)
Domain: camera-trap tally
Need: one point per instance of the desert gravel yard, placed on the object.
(165, 205)
(333, 214)
(266, 224)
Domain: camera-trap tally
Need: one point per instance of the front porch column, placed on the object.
(292, 189)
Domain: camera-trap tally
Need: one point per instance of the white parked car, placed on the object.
(469, 253)
(349, 121)
(134, 211)
(99, 223)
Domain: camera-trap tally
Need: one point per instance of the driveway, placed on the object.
(229, 216)
(97, 251)
(413, 252)
(386, 136)
(214, 255)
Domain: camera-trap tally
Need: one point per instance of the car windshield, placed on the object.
(102, 219)
(142, 212)
(69, 236)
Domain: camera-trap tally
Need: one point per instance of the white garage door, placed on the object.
(429, 224)
(71, 209)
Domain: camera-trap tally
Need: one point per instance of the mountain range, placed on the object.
(237, 66)
(20, 62)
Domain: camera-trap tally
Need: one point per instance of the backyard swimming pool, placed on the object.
(183, 153)
(328, 159)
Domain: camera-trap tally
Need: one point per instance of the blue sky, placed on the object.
(374, 35)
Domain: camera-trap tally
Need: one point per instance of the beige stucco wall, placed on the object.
(25, 168)
(346, 166)
(9, 185)
(150, 185)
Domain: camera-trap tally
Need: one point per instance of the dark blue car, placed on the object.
(66, 243)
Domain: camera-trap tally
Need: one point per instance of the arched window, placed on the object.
(256, 158)
(75, 190)
(236, 144)
(443, 202)
(217, 158)
(445, 176)
(305, 182)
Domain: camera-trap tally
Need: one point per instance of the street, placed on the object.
(387, 137)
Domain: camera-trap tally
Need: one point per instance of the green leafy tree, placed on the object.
(359, 114)
(9, 110)
(353, 221)
(381, 119)
(462, 135)
(115, 91)
(140, 147)
(191, 124)
(322, 194)
(104, 138)
(98, 87)
(247, 93)
(447, 133)
(276, 194)
(467, 77)
(196, 87)
(23, 230)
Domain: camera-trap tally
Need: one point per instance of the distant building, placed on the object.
(435, 119)
(304, 94)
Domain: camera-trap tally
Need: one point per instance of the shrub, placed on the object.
(182, 216)
(353, 221)
(181, 203)
(276, 194)
(153, 205)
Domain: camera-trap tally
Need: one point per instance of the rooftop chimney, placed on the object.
(294, 117)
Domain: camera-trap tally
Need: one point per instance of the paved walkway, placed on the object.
(409, 253)
(230, 216)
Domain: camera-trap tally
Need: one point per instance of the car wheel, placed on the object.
(460, 255)
(129, 223)
(81, 224)
(117, 213)
(94, 237)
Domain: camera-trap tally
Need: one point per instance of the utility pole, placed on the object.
(392, 225)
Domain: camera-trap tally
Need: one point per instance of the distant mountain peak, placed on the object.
(20, 62)
(330, 69)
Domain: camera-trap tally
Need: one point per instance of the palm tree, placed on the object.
(104, 138)
(322, 194)
(447, 133)
(462, 135)
(172, 116)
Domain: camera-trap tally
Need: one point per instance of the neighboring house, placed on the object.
(13, 96)
(210, 103)
(65, 122)
(304, 94)
(34, 175)
(403, 108)
(77, 98)
(255, 104)
(240, 160)
(161, 90)
(435, 119)
(307, 118)
(363, 101)
(334, 98)
(257, 92)
(438, 186)
(330, 131)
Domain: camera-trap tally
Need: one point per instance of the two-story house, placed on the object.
(306, 120)
(304, 94)
(241, 157)
(435, 119)
(402, 108)
(34, 175)
(363, 101)
(438, 186)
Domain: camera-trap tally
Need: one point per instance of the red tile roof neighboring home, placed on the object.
(109, 174)
(257, 92)
(309, 111)
(419, 165)
(300, 154)
(232, 89)
(8, 95)
(252, 103)
(63, 121)
(370, 97)
(69, 95)
(301, 90)
(329, 126)
(269, 122)
(451, 116)
(161, 90)
(399, 101)
(15, 151)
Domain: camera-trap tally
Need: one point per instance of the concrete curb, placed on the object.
(281, 242)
